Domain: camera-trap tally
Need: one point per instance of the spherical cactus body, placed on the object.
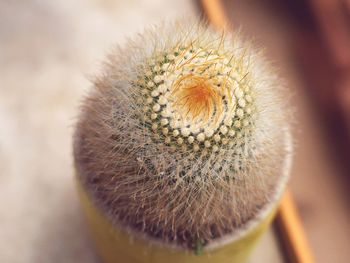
(184, 140)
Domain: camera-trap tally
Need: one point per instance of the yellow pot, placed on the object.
(116, 245)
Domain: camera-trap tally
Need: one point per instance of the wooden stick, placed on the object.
(215, 13)
(292, 232)
(287, 219)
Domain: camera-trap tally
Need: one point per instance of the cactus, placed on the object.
(182, 139)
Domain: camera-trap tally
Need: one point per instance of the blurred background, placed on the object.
(50, 49)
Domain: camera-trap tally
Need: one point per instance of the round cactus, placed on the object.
(184, 137)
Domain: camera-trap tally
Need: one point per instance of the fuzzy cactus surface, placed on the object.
(184, 136)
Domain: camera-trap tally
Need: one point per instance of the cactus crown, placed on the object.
(196, 99)
(183, 137)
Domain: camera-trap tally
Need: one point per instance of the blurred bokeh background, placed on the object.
(50, 49)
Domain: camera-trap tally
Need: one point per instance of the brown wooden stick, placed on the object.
(292, 232)
(215, 13)
(287, 219)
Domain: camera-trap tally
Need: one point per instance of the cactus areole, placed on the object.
(184, 138)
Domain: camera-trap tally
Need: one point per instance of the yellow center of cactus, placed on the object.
(195, 98)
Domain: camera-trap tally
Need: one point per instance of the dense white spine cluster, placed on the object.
(183, 138)
(195, 98)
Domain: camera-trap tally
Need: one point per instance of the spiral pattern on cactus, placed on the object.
(193, 99)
